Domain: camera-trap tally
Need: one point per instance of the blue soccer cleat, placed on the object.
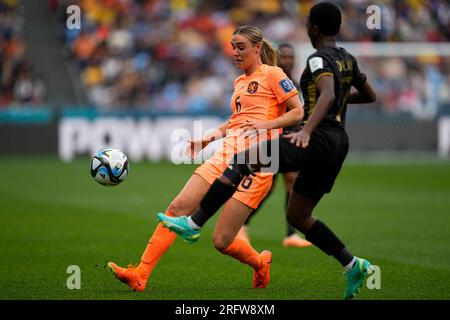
(180, 226)
(356, 277)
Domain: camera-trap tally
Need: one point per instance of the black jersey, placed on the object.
(294, 127)
(343, 67)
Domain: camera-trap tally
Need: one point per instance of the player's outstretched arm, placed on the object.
(195, 146)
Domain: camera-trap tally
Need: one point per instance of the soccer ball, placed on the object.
(109, 167)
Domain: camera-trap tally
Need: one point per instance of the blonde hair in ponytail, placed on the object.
(269, 52)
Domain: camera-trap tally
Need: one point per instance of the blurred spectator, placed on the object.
(18, 85)
(28, 89)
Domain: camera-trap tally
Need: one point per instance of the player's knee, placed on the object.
(221, 242)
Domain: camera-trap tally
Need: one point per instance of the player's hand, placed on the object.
(194, 147)
(257, 125)
(299, 138)
(251, 127)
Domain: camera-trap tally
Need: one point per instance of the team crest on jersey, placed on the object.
(252, 87)
(286, 85)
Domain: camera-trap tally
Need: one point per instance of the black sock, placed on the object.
(216, 196)
(323, 238)
(290, 228)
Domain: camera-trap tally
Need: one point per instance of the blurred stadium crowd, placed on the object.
(175, 56)
(18, 84)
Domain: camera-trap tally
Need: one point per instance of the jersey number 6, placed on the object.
(247, 182)
(237, 104)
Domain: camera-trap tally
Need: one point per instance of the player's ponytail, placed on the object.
(269, 53)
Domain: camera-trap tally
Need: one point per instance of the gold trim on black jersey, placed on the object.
(323, 74)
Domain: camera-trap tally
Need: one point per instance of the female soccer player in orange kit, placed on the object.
(262, 93)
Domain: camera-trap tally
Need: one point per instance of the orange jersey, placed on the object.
(260, 96)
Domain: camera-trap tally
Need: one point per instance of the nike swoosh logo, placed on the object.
(175, 226)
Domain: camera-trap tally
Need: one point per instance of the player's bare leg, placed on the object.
(223, 188)
(230, 221)
(292, 239)
(186, 202)
(243, 233)
(232, 217)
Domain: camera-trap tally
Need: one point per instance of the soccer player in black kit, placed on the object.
(317, 150)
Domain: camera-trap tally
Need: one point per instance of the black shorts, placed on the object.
(318, 164)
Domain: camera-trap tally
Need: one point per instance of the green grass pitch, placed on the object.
(53, 215)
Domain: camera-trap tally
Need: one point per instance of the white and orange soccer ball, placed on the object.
(109, 167)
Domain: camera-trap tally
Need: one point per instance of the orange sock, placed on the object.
(243, 251)
(158, 244)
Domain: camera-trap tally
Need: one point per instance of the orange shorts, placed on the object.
(252, 190)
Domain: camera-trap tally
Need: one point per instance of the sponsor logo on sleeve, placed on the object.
(287, 85)
(315, 64)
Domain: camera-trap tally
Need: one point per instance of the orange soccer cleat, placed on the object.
(129, 276)
(295, 240)
(261, 277)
